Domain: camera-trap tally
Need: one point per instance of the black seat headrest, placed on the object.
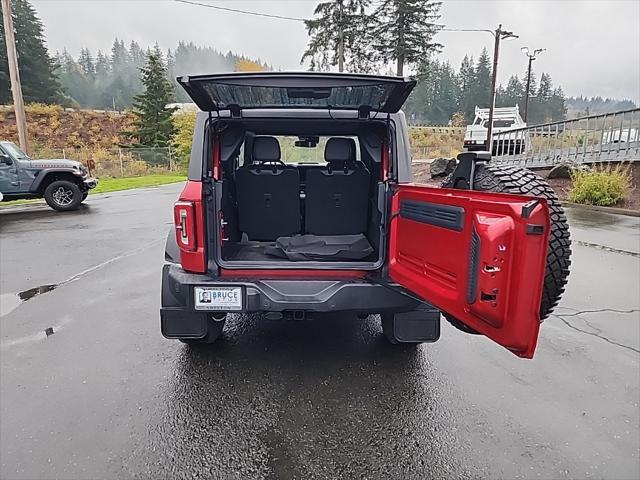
(340, 150)
(266, 149)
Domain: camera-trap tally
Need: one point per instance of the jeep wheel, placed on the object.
(63, 195)
(214, 330)
(507, 179)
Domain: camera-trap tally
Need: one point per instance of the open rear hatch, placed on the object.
(307, 243)
(339, 91)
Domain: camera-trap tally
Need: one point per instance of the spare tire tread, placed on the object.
(518, 180)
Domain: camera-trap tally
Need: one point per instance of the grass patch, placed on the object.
(126, 183)
(604, 186)
(17, 202)
(114, 184)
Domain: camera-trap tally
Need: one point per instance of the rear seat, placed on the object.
(268, 194)
(336, 201)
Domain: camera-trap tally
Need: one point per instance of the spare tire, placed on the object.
(518, 180)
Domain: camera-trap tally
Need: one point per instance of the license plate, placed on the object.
(218, 298)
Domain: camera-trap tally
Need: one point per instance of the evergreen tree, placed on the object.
(435, 98)
(102, 64)
(404, 30)
(73, 79)
(557, 106)
(545, 87)
(539, 111)
(86, 62)
(418, 106)
(137, 55)
(323, 49)
(39, 82)
(360, 57)
(466, 100)
(154, 126)
(119, 57)
(513, 93)
(481, 85)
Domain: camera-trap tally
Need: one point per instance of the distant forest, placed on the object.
(108, 81)
(111, 80)
(441, 92)
(583, 106)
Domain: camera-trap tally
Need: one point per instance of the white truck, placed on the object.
(505, 119)
(620, 136)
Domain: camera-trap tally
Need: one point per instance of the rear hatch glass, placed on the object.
(297, 90)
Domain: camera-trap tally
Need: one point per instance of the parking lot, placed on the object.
(90, 389)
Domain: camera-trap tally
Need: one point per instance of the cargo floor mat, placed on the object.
(316, 247)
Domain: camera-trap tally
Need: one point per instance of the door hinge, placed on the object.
(528, 208)
(463, 175)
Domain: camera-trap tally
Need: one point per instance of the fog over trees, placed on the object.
(406, 40)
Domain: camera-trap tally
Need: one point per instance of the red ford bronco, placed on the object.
(300, 202)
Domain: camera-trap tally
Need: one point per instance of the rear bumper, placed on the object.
(178, 314)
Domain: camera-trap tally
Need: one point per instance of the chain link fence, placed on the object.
(429, 142)
(118, 162)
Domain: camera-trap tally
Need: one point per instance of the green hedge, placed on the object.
(602, 186)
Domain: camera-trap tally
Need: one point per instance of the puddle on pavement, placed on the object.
(592, 218)
(10, 301)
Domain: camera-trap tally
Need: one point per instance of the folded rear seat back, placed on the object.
(268, 194)
(336, 200)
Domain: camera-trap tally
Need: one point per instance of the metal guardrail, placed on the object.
(597, 138)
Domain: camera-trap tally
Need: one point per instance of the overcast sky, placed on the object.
(593, 46)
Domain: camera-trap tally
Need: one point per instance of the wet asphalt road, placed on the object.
(106, 396)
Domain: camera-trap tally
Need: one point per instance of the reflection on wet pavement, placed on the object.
(322, 398)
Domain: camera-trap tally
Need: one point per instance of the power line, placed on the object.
(245, 12)
(297, 19)
(466, 30)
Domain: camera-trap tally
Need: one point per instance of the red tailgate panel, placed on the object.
(478, 256)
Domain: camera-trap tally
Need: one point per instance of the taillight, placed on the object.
(188, 219)
(184, 220)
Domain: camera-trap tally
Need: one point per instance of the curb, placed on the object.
(596, 208)
(37, 202)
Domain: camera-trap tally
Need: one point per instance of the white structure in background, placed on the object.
(617, 136)
(504, 119)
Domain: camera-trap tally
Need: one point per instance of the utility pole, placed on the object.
(340, 38)
(532, 57)
(14, 74)
(499, 34)
(526, 92)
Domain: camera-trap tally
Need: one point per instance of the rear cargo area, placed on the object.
(295, 194)
(303, 248)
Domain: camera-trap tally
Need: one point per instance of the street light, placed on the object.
(532, 57)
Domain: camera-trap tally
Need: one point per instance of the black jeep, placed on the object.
(64, 184)
(300, 202)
